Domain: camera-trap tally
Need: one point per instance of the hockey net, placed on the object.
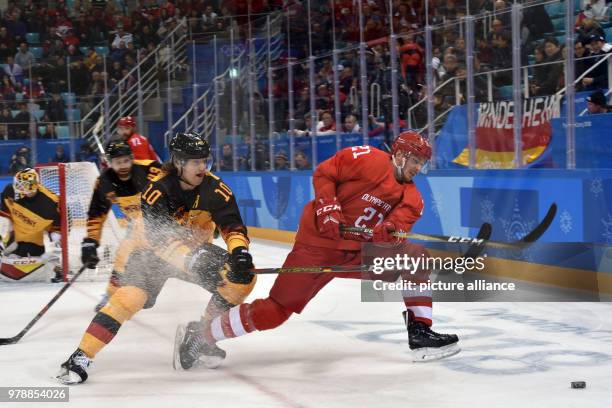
(74, 184)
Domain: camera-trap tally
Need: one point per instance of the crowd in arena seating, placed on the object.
(542, 42)
(50, 50)
(52, 55)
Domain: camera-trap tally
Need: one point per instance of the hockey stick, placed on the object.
(531, 237)
(310, 269)
(15, 339)
(473, 251)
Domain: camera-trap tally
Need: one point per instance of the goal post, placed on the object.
(74, 184)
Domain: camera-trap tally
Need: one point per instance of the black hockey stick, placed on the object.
(531, 237)
(473, 251)
(15, 339)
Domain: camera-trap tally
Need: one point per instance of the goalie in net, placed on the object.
(31, 210)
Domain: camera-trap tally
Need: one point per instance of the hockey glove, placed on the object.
(329, 217)
(89, 252)
(383, 232)
(241, 263)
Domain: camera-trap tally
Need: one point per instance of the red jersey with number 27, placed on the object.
(362, 180)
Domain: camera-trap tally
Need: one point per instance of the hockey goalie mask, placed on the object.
(25, 183)
(410, 155)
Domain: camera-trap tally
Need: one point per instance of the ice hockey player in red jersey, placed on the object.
(359, 186)
(141, 148)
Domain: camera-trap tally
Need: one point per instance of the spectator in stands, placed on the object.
(351, 125)
(118, 53)
(16, 28)
(327, 125)
(56, 109)
(7, 90)
(580, 52)
(6, 44)
(552, 73)
(305, 127)
(79, 78)
(345, 79)
(13, 70)
(497, 29)
(147, 36)
(121, 37)
(448, 68)
(589, 27)
(59, 73)
(301, 161)
(412, 58)
(281, 162)
(6, 118)
(540, 72)
(598, 77)
(323, 99)
(24, 58)
(534, 24)
(60, 155)
(22, 121)
(597, 103)
(209, 18)
(227, 158)
(20, 160)
(501, 59)
(595, 9)
(50, 132)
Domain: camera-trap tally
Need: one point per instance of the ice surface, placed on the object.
(338, 353)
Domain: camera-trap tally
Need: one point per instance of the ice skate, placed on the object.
(426, 344)
(191, 349)
(74, 370)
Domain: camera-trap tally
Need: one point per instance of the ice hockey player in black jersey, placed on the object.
(120, 184)
(31, 210)
(180, 209)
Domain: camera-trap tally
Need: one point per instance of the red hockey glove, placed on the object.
(383, 232)
(329, 217)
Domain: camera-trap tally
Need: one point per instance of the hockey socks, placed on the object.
(262, 314)
(126, 302)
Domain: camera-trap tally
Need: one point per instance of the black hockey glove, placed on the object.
(241, 263)
(89, 252)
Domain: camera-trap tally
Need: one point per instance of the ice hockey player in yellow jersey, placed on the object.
(180, 210)
(120, 184)
(32, 211)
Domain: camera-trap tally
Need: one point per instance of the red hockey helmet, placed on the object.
(127, 121)
(411, 142)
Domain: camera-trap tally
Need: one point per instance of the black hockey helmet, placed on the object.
(189, 145)
(117, 148)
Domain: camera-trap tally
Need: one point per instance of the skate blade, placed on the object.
(178, 340)
(68, 378)
(426, 354)
(211, 362)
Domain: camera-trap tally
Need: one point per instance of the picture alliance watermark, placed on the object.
(405, 262)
